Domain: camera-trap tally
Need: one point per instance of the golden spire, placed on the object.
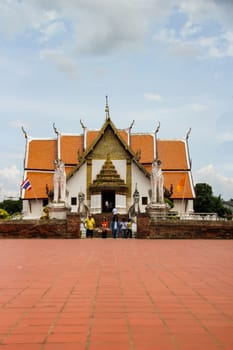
(107, 108)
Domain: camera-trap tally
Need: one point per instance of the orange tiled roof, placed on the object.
(147, 167)
(41, 154)
(38, 181)
(91, 136)
(70, 146)
(124, 135)
(144, 143)
(172, 153)
(177, 178)
(69, 169)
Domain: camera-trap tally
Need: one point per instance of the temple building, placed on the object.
(106, 167)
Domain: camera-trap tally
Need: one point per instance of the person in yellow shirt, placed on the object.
(89, 225)
(129, 228)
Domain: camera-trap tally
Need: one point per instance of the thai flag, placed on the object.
(26, 185)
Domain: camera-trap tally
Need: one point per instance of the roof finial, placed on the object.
(25, 134)
(82, 125)
(188, 133)
(158, 127)
(131, 125)
(107, 108)
(55, 129)
(156, 141)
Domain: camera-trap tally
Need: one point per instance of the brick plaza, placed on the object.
(123, 294)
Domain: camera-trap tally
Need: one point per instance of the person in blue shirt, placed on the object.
(115, 227)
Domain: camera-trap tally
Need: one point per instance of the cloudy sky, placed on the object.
(157, 60)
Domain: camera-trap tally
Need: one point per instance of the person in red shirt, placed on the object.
(104, 225)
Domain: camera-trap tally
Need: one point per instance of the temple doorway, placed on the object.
(108, 201)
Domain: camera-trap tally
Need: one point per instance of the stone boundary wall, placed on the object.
(180, 229)
(69, 228)
(162, 229)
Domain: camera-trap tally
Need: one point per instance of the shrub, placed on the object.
(4, 214)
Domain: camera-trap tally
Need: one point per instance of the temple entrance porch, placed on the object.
(108, 201)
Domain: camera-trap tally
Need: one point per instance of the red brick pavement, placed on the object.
(96, 294)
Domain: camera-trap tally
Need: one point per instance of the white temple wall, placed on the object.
(32, 209)
(96, 167)
(190, 206)
(143, 186)
(183, 206)
(179, 205)
(120, 199)
(120, 166)
(121, 203)
(96, 203)
(76, 184)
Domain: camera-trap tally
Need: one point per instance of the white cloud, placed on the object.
(35, 107)
(204, 33)
(51, 30)
(198, 10)
(183, 109)
(97, 26)
(11, 67)
(221, 185)
(176, 45)
(11, 173)
(16, 124)
(204, 11)
(189, 29)
(197, 107)
(153, 97)
(224, 127)
(9, 182)
(16, 17)
(214, 46)
(101, 27)
(225, 136)
(63, 63)
(116, 26)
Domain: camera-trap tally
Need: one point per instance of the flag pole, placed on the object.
(27, 186)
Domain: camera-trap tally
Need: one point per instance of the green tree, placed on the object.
(206, 202)
(203, 200)
(12, 206)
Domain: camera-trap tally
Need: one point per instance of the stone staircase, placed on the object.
(98, 218)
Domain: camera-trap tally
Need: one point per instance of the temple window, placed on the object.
(73, 200)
